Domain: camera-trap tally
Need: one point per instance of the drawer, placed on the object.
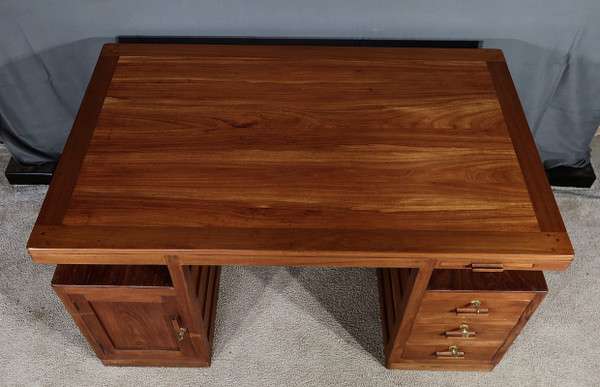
(470, 351)
(483, 332)
(442, 307)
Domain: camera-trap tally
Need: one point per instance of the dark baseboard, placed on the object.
(141, 39)
(563, 176)
(32, 175)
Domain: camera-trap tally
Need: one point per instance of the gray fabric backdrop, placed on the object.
(48, 50)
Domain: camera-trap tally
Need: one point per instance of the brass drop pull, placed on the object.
(476, 309)
(181, 331)
(462, 332)
(451, 353)
(454, 350)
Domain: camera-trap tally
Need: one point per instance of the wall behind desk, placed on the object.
(48, 51)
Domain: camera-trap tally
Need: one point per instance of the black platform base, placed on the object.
(145, 39)
(36, 175)
(571, 177)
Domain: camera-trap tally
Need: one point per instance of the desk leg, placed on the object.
(197, 289)
(400, 294)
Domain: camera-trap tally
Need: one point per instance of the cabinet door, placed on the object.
(134, 323)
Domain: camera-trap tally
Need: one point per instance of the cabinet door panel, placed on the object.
(124, 327)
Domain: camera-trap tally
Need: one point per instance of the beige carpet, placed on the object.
(294, 326)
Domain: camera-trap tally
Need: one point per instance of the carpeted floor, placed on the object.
(295, 326)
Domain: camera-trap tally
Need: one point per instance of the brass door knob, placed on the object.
(181, 333)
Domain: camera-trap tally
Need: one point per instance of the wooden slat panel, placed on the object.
(383, 306)
(210, 295)
(210, 329)
(397, 291)
(390, 307)
(195, 274)
(202, 286)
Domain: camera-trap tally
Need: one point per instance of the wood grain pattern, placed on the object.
(112, 275)
(441, 306)
(300, 138)
(66, 173)
(128, 322)
(533, 305)
(213, 155)
(296, 247)
(434, 333)
(305, 166)
(469, 280)
(472, 351)
(537, 182)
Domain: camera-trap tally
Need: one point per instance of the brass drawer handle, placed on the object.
(451, 353)
(476, 309)
(462, 332)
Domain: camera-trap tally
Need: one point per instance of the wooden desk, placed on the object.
(415, 161)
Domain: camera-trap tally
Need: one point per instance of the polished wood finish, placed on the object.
(377, 142)
(473, 281)
(435, 333)
(508, 300)
(547, 213)
(66, 173)
(132, 315)
(404, 159)
(298, 247)
(112, 275)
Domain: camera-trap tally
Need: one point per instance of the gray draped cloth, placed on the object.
(48, 51)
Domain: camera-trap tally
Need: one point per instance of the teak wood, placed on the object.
(189, 157)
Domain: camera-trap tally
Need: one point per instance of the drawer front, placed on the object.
(472, 351)
(451, 333)
(442, 307)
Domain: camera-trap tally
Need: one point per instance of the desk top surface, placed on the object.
(267, 154)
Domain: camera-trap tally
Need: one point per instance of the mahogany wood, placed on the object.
(468, 280)
(511, 297)
(434, 333)
(519, 326)
(128, 323)
(442, 307)
(132, 315)
(380, 142)
(404, 159)
(542, 198)
(66, 173)
(297, 247)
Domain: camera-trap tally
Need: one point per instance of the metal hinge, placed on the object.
(101, 346)
(75, 305)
